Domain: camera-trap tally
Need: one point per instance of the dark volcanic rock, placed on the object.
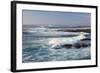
(82, 43)
(57, 48)
(67, 45)
(85, 39)
(77, 45)
(85, 45)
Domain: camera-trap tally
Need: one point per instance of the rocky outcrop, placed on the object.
(78, 45)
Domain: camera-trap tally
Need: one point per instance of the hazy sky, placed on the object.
(34, 17)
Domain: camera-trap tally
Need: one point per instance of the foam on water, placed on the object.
(43, 55)
(43, 49)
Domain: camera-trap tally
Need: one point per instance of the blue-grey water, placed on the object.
(41, 45)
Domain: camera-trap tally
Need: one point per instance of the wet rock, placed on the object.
(57, 47)
(77, 45)
(67, 45)
(88, 39)
(85, 45)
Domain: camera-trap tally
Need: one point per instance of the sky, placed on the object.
(55, 18)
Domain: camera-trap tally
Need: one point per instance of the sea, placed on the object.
(44, 44)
